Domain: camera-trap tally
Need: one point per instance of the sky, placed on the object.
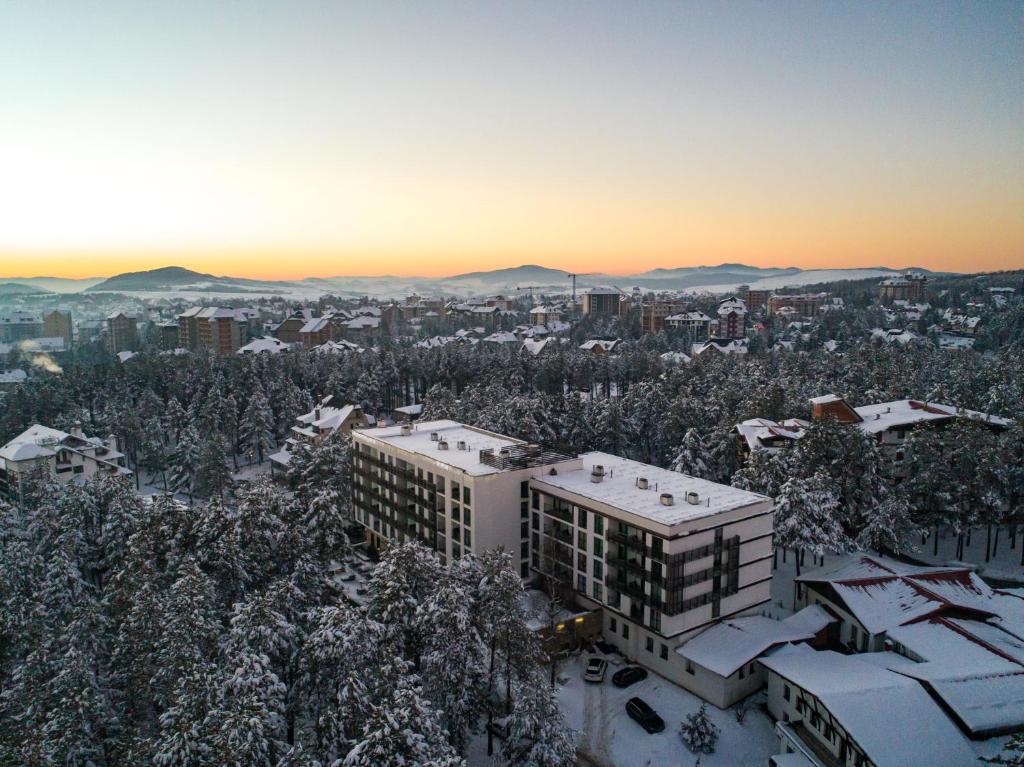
(283, 140)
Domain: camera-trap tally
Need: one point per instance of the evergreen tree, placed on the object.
(806, 517)
(257, 425)
(698, 732)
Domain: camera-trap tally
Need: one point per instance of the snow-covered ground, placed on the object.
(1005, 565)
(607, 737)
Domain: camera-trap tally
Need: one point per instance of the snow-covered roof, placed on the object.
(15, 376)
(267, 344)
(619, 489)
(535, 347)
(676, 358)
(760, 432)
(502, 337)
(329, 418)
(725, 346)
(43, 441)
(868, 701)
(337, 347)
(904, 412)
(126, 355)
(727, 646)
(606, 345)
(418, 441)
(410, 409)
(694, 316)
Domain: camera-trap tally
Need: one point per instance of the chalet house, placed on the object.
(719, 346)
(265, 345)
(601, 347)
(63, 456)
(314, 427)
(288, 330)
(545, 313)
(834, 710)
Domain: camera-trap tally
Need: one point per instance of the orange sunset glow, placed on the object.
(412, 142)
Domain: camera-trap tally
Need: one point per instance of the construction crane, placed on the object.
(530, 288)
(573, 278)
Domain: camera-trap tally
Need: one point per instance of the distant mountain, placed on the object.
(525, 274)
(57, 284)
(178, 278)
(18, 289)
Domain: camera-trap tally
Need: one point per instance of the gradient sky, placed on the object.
(289, 139)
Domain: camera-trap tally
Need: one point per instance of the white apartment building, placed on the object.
(61, 455)
(457, 489)
(662, 554)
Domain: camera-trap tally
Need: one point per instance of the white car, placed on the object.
(596, 668)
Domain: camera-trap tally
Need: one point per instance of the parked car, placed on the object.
(644, 715)
(629, 675)
(596, 668)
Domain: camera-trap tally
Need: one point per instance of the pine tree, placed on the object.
(538, 735)
(322, 477)
(257, 425)
(698, 732)
(806, 517)
(888, 526)
(692, 457)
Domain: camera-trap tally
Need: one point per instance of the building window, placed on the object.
(524, 570)
(524, 550)
(612, 625)
(598, 567)
(581, 540)
(466, 495)
(598, 591)
(524, 489)
(689, 666)
(581, 583)
(650, 645)
(598, 524)
(456, 513)
(598, 547)
(524, 509)
(455, 490)
(625, 631)
(535, 500)
(743, 672)
(581, 516)
(664, 652)
(536, 521)
(466, 519)
(524, 529)
(466, 538)
(656, 547)
(581, 561)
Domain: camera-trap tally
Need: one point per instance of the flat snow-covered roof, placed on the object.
(418, 441)
(620, 489)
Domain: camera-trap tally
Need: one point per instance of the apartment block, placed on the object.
(604, 301)
(653, 314)
(802, 304)
(122, 333)
(19, 326)
(754, 299)
(57, 324)
(907, 287)
(456, 489)
(219, 330)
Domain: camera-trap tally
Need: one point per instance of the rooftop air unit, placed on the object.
(461, 444)
(434, 436)
(406, 429)
(667, 499)
(642, 483)
(597, 473)
(693, 498)
(442, 444)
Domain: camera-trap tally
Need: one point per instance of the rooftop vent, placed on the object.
(505, 452)
(442, 444)
(406, 429)
(461, 444)
(693, 498)
(553, 472)
(434, 436)
(667, 499)
(642, 483)
(597, 473)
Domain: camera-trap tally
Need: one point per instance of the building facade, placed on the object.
(907, 287)
(654, 313)
(803, 304)
(18, 326)
(57, 324)
(605, 302)
(122, 333)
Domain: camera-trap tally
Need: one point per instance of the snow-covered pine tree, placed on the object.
(698, 732)
(692, 457)
(257, 425)
(806, 517)
(538, 734)
(322, 477)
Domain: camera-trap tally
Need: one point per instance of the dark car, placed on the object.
(629, 675)
(644, 715)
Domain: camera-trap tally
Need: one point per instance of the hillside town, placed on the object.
(328, 502)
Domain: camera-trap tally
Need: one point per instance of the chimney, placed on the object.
(76, 430)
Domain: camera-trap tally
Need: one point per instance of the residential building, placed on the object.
(455, 488)
(601, 347)
(732, 319)
(265, 345)
(288, 330)
(835, 710)
(695, 324)
(18, 326)
(59, 455)
(909, 287)
(167, 334)
(607, 302)
(889, 423)
(654, 313)
(544, 314)
(122, 333)
(317, 331)
(57, 324)
(221, 331)
(719, 346)
(314, 427)
(664, 555)
(803, 304)
(754, 299)
(12, 378)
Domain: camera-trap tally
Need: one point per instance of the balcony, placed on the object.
(632, 541)
(563, 513)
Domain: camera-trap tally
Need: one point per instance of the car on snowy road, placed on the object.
(596, 668)
(629, 675)
(644, 715)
